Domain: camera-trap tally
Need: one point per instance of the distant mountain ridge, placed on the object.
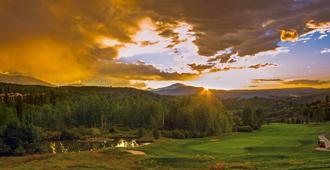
(184, 90)
(178, 89)
(23, 80)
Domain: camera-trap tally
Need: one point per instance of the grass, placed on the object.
(276, 146)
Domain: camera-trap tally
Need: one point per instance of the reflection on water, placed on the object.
(77, 146)
(126, 143)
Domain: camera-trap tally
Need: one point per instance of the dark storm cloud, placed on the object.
(246, 26)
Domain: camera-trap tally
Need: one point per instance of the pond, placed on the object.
(88, 145)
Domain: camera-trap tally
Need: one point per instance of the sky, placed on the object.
(218, 44)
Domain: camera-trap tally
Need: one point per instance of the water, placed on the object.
(77, 146)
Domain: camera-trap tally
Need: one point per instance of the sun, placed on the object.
(206, 91)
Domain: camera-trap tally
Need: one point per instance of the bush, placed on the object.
(16, 139)
(5, 150)
(112, 130)
(156, 133)
(178, 134)
(244, 129)
(53, 135)
(19, 151)
(70, 135)
(89, 131)
(141, 132)
(95, 132)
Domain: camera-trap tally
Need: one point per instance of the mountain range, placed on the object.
(180, 89)
(20, 79)
(184, 90)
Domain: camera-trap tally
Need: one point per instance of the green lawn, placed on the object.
(276, 146)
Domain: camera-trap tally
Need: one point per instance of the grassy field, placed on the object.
(276, 146)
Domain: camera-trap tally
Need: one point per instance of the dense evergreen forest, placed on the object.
(30, 114)
(285, 110)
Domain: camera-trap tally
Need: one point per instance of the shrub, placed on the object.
(141, 132)
(156, 133)
(112, 130)
(89, 131)
(5, 150)
(178, 134)
(244, 129)
(53, 135)
(16, 139)
(70, 135)
(19, 151)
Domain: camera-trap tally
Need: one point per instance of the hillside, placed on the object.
(24, 80)
(184, 90)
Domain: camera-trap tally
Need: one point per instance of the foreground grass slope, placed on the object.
(276, 146)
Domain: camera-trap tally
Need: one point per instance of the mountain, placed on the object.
(24, 80)
(178, 89)
(184, 90)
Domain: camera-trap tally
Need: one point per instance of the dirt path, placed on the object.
(135, 152)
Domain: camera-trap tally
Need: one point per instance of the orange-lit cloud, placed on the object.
(256, 66)
(200, 67)
(306, 82)
(290, 35)
(280, 83)
(69, 40)
(266, 80)
(317, 25)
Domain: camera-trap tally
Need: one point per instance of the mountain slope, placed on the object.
(178, 89)
(24, 80)
(183, 90)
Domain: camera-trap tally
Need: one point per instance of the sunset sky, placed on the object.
(220, 44)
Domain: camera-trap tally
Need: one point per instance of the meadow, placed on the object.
(275, 146)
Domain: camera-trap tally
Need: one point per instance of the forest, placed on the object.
(32, 114)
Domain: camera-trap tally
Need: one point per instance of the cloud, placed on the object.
(248, 27)
(291, 35)
(325, 50)
(257, 66)
(148, 43)
(314, 25)
(214, 70)
(69, 40)
(307, 82)
(281, 83)
(64, 40)
(266, 80)
(200, 67)
(140, 72)
(223, 58)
